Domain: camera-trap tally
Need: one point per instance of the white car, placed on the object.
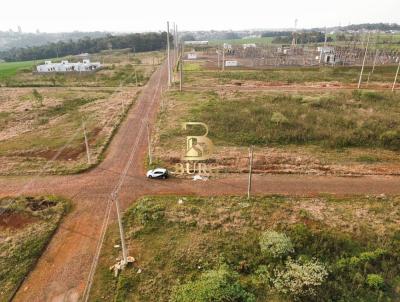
(157, 173)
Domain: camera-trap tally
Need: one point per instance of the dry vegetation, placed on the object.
(26, 226)
(42, 127)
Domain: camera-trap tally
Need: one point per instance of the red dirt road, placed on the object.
(62, 272)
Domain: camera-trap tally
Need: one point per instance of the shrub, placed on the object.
(300, 279)
(391, 139)
(275, 245)
(213, 286)
(375, 281)
(278, 118)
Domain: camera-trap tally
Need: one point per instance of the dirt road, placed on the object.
(62, 272)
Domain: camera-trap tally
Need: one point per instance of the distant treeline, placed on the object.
(137, 42)
(276, 34)
(373, 26)
(302, 38)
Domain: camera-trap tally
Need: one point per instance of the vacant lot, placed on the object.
(318, 76)
(295, 130)
(341, 249)
(42, 128)
(26, 226)
(119, 68)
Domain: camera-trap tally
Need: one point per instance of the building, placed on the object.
(327, 55)
(249, 45)
(65, 66)
(196, 42)
(231, 63)
(192, 56)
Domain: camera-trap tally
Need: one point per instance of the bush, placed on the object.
(300, 279)
(375, 281)
(278, 118)
(391, 139)
(275, 245)
(213, 286)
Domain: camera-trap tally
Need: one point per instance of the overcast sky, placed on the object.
(148, 15)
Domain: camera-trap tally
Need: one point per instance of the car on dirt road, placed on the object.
(157, 173)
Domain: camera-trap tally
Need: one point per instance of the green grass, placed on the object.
(298, 75)
(176, 243)
(21, 247)
(330, 120)
(8, 70)
(260, 40)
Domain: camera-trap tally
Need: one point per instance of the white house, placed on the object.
(192, 56)
(65, 66)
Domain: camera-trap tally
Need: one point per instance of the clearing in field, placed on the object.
(42, 128)
(234, 249)
(26, 226)
(301, 120)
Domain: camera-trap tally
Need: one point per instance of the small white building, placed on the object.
(65, 66)
(327, 55)
(192, 56)
(249, 45)
(231, 63)
(196, 42)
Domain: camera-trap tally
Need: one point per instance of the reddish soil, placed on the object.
(62, 272)
(15, 220)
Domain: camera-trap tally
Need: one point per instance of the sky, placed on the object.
(150, 15)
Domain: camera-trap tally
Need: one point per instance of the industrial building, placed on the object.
(65, 66)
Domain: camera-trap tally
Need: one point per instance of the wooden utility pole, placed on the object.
(223, 58)
(250, 171)
(181, 70)
(121, 233)
(363, 64)
(149, 143)
(395, 78)
(168, 57)
(87, 144)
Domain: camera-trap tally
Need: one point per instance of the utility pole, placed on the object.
(250, 171)
(149, 143)
(218, 56)
(136, 78)
(363, 64)
(397, 74)
(181, 70)
(223, 58)
(168, 57)
(86, 143)
(121, 233)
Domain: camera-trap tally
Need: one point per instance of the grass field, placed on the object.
(301, 120)
(260, 40)
(120, 67)
(213, 249)
(8, 70)
(26, 226)
(38, 124)
(292, 75)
